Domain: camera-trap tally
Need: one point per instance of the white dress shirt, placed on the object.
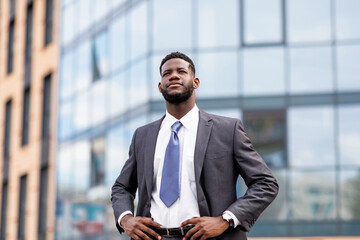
(186, 206)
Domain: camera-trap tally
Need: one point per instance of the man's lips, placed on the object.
(174, 85)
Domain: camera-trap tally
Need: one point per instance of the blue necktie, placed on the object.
(169, 189)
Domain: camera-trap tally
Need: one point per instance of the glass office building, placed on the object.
(287, 68)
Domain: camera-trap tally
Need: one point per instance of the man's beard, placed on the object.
(178, 97)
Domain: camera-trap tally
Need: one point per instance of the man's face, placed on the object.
(177, 81)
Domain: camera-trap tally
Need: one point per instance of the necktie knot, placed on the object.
(176, 126)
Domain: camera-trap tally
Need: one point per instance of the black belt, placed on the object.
(173, 232)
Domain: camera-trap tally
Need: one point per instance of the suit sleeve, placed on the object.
(125, 186)
(262, 186)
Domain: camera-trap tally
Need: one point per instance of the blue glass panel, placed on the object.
(349, 134)
(218, 74)
(347, 19)
(218, 23)
(172, 28)
(263, 71)
(348, 69)
(308, 20)
(311, 70)
(262, 21)
(311, 136)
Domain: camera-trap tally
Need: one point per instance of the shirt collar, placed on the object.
(187, 121)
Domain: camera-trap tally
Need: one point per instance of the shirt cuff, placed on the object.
(122, 215)
(230, 215)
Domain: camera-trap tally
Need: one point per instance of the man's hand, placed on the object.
(138, 227)
(205, 227)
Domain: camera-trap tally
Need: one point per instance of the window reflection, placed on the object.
(85, 16)
(262, 21)
(350, 194)
(99, 56)
(99, 106)
(118, 37)
(218, 23)
(98, 161)
(68, 27)
(311, 136)
(82, 70)
(172, 28)
(65, 123)
(215, 69)
(66, 75)
(138, 91)
(266, 130)
(116, 154)
(309, 66)
(349, 134)
(81, 168)
(264, 71)
(118, 94)
(308, 20)
(82, 111)
(312, 195)
(347, 19)
(348, 69)
(138, 30)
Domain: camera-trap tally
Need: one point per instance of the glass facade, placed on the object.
(287, 68)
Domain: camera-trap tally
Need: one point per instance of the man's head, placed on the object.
(178, 79)
(178, 55)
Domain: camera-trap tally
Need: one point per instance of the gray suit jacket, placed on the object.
(222, 153)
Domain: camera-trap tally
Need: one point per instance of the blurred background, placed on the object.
(77, 77)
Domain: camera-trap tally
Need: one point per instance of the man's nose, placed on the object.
(174, 76)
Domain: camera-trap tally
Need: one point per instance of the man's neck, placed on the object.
(180, 109)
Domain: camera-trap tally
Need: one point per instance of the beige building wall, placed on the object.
(26, 159)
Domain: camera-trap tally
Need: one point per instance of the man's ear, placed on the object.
(159, 86)
(196, 82)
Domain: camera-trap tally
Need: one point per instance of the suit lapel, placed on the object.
(149, 153)
(202, 139)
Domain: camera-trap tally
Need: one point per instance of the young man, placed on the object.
(185, 168)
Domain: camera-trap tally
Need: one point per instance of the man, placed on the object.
(185, 168)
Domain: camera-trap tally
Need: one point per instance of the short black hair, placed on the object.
(178, 55)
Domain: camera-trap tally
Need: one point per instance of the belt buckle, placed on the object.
(182, 231)
(167, 232)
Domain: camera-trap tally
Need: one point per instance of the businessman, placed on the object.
(185, 167)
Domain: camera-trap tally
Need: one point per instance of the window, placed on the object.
(264, 71)
(11, 42)
(118, 39)
(7, 135)
(99, 56)
(138, 30)
(267, 132)
(309, 66)
(49, 21)
(347, 19)
(43, 202)
(213, 69)
(349, 135)
(138, 91)
(348, 72)
(263, 22)
(314, 27)
(45, 145)
(22, 207)
(4, 207)
(218, 23)
(170, 23)
(312, 196)
(98, 161)
(26, 115)
(28, 43)
(311, 137)
(82, 70)
(350, 197)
